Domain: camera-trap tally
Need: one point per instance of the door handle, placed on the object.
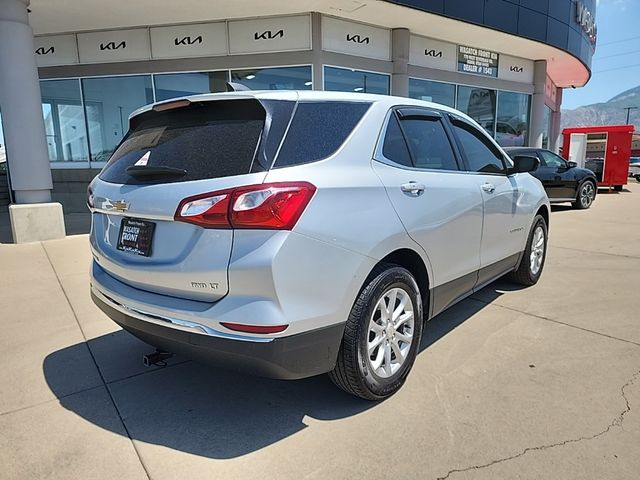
(489, 188)
(412, 189)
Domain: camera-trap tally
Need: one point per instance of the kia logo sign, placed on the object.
(516, 69)
(43, 51)
(187, 40)
(357, 39)
(433, 53)
(268, 35)
(113, 45)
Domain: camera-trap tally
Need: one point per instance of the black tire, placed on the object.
(617, 188)
(524, 275)
(353, 372)
(637, 177)
(582, 202)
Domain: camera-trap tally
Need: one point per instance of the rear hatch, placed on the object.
(178, 150)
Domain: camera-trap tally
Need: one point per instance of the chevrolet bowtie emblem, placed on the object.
(120, 206)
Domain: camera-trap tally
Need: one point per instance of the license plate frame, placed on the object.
(139, 236)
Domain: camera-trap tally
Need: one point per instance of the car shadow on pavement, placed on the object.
(204, 410)
(561, 207)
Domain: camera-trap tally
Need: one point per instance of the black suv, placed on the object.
(563, 181)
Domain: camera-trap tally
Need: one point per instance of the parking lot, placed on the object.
(541, 382)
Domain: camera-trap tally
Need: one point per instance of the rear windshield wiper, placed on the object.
(140, 171)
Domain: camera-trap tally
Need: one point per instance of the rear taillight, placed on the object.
(273, 206)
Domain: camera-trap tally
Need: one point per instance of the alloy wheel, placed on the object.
(391, 329)
(537, 250)
(586, 194)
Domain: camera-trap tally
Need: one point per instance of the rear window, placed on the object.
(206, 139)
(318, 129)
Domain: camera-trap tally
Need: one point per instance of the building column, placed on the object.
(537, 104)
(556, 121)
(27, 158)
(316, 52)
(400, 39)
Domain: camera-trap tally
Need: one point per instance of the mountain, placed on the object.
(611, 112)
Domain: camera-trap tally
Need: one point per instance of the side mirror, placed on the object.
(524, 163)
(572, 164)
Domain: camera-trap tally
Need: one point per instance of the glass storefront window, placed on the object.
(64, 123)
(546, 127)
(277, 78)
(479, 104)
(438, 92)
(108, 103)
(347, 80)
(512, 123)
(172, 85)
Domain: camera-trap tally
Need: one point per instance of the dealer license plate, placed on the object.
(136, 236)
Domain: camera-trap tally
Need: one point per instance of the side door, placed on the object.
(565, 178)
(548, 175)
(439, 205)
(505, 226)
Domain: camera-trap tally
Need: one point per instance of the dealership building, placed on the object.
(72, 72)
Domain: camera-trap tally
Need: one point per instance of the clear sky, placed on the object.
(616, 63)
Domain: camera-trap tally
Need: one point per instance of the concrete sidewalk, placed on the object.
(534, 383)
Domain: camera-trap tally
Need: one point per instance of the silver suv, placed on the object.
(290, 234)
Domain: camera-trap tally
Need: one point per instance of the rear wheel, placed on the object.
(617, 188)
(382, 335)
(532, 262)
(637, 177)
(586, 195)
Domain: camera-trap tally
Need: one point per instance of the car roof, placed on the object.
(306, 95)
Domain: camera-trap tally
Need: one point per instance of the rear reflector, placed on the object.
(273, 206)
(239, 327)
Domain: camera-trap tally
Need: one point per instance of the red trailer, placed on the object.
(604, 149)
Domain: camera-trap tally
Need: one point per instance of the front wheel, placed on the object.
(532, 261)
(637, 177)
(382, 335)
(586, 195)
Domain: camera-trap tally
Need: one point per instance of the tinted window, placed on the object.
(481, 154)
(395, 147)
(208, 140)
(551, 159)
(317, 130)
(429, 144)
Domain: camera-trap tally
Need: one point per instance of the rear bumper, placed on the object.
(287, 358)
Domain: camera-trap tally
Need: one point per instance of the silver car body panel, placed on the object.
(307, 278)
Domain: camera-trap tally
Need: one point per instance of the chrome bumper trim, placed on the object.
(178, 324)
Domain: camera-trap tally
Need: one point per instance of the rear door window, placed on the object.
(317, 130)
(418, 139)
(206, 139)
(429, 145)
